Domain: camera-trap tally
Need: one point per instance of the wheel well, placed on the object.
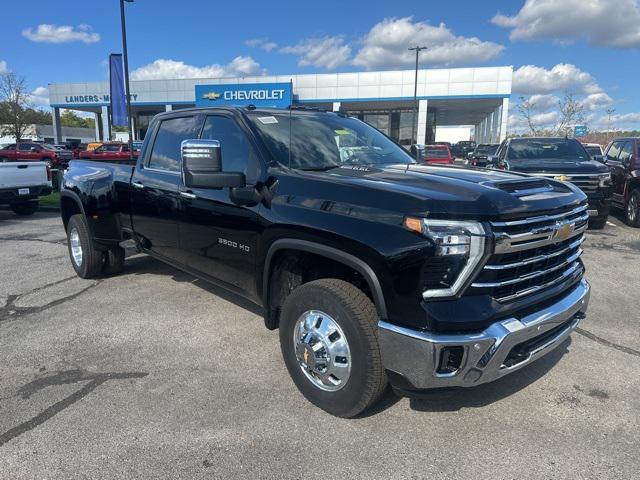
(69, 207)
(292, 268)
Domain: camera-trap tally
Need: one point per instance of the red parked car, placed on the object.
(109, 152)
(35, 152)
(438, 154)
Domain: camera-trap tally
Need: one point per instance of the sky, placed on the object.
(590, 48)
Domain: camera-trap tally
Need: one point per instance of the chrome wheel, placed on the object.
(76, 247)
(322, 350)
(632, 208)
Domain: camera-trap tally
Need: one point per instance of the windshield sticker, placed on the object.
(268, 120)
(342, 132)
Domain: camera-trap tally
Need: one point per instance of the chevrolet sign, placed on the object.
(258, 94)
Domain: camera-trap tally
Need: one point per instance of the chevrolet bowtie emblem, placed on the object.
(562, 178)
(211, 96)
(562, 232)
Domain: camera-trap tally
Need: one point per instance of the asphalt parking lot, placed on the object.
(154, 374)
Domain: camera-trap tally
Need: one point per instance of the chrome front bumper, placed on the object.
(485, 356)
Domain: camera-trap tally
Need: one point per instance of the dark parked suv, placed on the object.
(562, 159)
(623, 159)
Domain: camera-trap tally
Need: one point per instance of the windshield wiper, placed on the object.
(320, 169)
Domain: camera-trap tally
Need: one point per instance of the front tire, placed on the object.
(329, 341)
(25, 208)
(598, 223)
(632, 209)
(86, 260)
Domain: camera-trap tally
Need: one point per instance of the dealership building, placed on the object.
(474, 97)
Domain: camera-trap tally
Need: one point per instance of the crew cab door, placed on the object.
(155, 200)
(617, 169)
(217, 236)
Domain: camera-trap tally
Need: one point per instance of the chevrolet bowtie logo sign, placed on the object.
(562, 178)
(211, 96)
(563, 232)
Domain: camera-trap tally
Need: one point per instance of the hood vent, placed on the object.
(527, 187)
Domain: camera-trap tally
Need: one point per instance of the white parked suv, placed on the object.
(21, 183)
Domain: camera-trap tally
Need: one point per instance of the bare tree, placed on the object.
(526, 110)
(15, 100)
(571, 114)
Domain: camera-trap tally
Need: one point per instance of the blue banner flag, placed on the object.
(117, 95)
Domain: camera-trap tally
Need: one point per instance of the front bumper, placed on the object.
(416, 358)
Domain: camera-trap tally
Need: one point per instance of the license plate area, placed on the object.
(23, 191)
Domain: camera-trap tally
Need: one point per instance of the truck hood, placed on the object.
(440, 191)
(554, 165)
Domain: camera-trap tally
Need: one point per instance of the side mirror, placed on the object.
(202, 166)
(600, 158)
(34, 149)
(492, 160)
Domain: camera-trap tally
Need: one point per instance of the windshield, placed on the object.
(593, 151)
(324, 140)
(489, 149)
(436, 153)
(548, 148)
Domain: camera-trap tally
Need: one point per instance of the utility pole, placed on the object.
(414, 139)
(126, 75)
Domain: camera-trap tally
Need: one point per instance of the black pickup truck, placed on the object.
(563, 159)
(375, 269)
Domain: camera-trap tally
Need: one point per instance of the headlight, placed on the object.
(605, 180)
(459, 248)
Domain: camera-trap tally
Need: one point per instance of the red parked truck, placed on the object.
(115, 151)
(33, 152)
(437, 154)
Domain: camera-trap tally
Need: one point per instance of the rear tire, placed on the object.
(86, 260)
(632, 209)
(345, 314)
(113, 261)
(25, 208)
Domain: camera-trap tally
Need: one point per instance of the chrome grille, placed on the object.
(587, 183)
(533, 254)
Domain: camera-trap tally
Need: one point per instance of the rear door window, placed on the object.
(626, 152)
(165, 154)
(614, 151)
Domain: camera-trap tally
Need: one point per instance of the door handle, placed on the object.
(137, 184)
(188, 195)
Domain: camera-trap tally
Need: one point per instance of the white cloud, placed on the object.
(47, 33)
(3, 67)
(544, 102)
(540, 120)
(386, 45)
(325, 52)
(531, 79)
(263, 43)
(163, 69)
(595, 101)
(607, 23)
(39, 97)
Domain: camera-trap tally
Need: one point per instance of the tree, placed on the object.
(526, 110)
(16, 103)
(69, 118)
(571, 114)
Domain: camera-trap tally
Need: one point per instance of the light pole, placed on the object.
(610, 112)
(417, 49)
(126, 75)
